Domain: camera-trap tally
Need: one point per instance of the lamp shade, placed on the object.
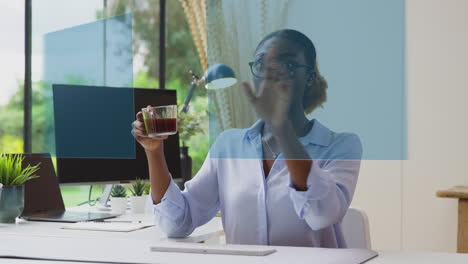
(219, 76)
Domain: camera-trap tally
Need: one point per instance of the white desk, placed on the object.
(399, 257)
(43, 239)
(138, 251)
(150, 234)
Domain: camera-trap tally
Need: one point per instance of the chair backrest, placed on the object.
(355, 227)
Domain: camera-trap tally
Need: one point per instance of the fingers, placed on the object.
(248, 92)
(156, 138)
(138, 125)
(141, 135)
(139, 116)
(139, 130)
(285, 86)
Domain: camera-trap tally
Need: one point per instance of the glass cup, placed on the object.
(160, 120)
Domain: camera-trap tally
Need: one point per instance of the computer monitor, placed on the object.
(105, 114)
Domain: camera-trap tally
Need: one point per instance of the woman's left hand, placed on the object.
(273, 99)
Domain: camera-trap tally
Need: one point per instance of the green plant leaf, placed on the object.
(118, 191)
(147, 189)
(138, 188)
(12, 171)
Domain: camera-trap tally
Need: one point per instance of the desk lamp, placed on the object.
(217, 76)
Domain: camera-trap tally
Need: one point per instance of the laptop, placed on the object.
(42, 197)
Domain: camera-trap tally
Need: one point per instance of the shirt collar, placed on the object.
(254, 131)
(318, 135)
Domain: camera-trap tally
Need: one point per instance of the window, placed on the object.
(12, 76)
(181, 56)
(47, 17)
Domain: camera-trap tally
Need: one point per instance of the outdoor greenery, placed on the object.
(74, 195)
(181, 56)
(12, 172)
(190, 124)
(11, 118)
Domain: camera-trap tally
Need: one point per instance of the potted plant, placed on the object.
(118, 199)
(147, 194)
(147, 189)
(188, 124)
(13, 176)
(138, 199)
(1, 185)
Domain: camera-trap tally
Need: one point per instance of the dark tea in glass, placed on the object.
(160, 120)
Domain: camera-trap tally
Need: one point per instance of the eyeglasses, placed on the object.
(259, 68)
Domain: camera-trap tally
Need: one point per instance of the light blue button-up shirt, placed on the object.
(259, 210)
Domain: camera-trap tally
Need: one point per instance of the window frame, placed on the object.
(27, 107)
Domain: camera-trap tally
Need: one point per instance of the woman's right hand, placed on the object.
(139, 132)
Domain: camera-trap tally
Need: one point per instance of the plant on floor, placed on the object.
(138, 188)
(12, 172)
(118, 191)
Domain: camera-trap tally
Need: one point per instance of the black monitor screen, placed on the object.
(92, 133)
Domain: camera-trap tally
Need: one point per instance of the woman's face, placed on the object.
(279, 51)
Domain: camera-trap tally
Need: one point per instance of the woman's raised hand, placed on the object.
(273, 99)
(139, 132)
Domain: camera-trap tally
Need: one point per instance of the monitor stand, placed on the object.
(105, 198)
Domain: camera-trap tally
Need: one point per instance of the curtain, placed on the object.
(195, 12)
(227, 31)
(234, 28)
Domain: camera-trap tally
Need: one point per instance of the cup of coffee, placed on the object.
(160, 120)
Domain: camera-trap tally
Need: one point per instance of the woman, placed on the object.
(286, 180)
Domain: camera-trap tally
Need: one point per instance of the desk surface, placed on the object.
(151, 234)
(38, 238)
(118, 250)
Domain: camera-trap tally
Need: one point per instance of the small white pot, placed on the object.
(138, 204)
(148, 205)
(118, 204)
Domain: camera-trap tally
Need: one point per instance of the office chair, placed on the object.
(355, 227)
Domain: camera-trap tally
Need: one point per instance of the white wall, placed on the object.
(379, 193)
(399, 196)
(437, 84)
(437, 63)
(360, 48)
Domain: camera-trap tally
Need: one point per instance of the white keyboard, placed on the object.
(243, 250)
(106, 226)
